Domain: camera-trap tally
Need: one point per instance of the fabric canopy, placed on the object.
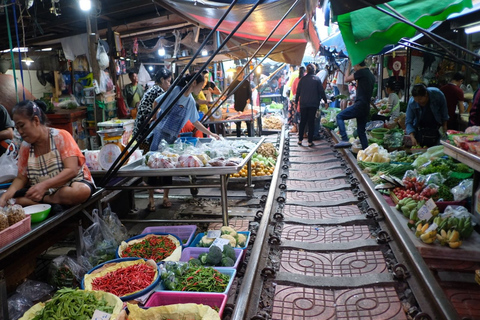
(257, 27)
(364, 37)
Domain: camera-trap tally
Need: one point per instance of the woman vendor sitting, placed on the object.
(51, 167)
(393, 105)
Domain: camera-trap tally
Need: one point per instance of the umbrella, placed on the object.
(365, 36)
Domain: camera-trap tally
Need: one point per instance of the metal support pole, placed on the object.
(224, 200)
(249, 186)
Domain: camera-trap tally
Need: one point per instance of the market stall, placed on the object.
(141, 168)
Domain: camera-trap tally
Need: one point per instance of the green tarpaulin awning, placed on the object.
(368, 30)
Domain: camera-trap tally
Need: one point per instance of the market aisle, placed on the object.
(330, 265)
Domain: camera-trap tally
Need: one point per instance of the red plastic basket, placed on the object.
(15, 231)
(165, 298)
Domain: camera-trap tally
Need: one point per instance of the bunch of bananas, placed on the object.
(450, 238)
(462, 225)
(427, 236)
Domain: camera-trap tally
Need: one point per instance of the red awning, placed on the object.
(257, 27)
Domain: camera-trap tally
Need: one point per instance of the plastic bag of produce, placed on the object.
(456, 212)
(189, 161)
(97, 242)
(434, 178)
(18, 304)
(64, 271)
(34, 290)
(158, 160)
(429, 191)
(114, 224)
(3, 220)
(463, 190)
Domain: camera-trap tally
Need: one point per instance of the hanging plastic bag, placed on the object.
(98, 242)
(463, 190)
(115, 225)
(102, 57)
(66, 272)
(143, 75)
(34, 290)
(8, 163)
(106, 83)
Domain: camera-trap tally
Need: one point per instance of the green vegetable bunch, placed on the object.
(72, 304)
(215, 257)
(195, 278)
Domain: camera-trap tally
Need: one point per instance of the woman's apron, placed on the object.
(170, 126)
(47, 166)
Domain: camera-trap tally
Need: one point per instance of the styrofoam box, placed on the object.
(127, 125)
(165, 298)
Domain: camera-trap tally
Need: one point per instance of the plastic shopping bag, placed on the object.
(8, 163)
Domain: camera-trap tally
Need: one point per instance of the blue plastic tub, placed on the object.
(185, 233)
(189, 140)
(131, 296)
(194, 252)
(186, 134)
(200, 235)
(143, 235)
(227, 271)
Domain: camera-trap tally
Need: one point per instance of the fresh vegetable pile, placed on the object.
(125, 281)
(153, 247)
(188, 277)
(72, 304)
(372, 168)
(216, 257)
(236, 240)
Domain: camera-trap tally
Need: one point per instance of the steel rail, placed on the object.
(251, 271)
(424, 275)
(145, 129)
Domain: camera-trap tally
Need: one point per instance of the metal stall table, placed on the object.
(256, 116)
(139, 169)
(471, 160)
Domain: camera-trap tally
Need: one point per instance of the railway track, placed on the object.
(328, 247)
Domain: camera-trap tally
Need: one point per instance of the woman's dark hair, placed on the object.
(183, 82)
(392, 86)
(301, 72)
(30, 109)
(458, 76)
(419, 90)
(162, 73)
(310, 68)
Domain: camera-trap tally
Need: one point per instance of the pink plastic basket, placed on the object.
(164, 298)
(185, 233)
(194, 252)
(15, 231)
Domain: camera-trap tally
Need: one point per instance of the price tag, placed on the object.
(100, 315)
(423, 213)
(220, 242)
(214, 234)
(432, 227)
(430, 204)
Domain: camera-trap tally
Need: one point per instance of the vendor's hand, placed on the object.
(214, 135)
(3, 200)
(36, 192)
(414, 141)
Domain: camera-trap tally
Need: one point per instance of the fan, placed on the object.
(41, 77)
(79, 93)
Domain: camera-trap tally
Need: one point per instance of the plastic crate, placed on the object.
(162, 298)
(194, 252)
(227, 271)
(200, 235)
(16, 231)
(185, 233)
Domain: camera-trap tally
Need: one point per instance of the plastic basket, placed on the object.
(200, 235)
(189, 140)
(138, 294)
(162, 298)
(143, 235)
(227, 271)
(16, 231)
(194, 252)
(185, 233)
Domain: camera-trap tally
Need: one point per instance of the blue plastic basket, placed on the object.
(143, 235)
(189, 140)
(200, 236)
(186, 134)
(227, 271)
(185, 233)
(194, 252)
(131, 296)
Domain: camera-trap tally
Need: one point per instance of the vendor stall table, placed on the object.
(139, 169)
(471, 160)
(256, 116)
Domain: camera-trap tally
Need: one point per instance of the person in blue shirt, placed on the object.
(184, 109)
(427, 112)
